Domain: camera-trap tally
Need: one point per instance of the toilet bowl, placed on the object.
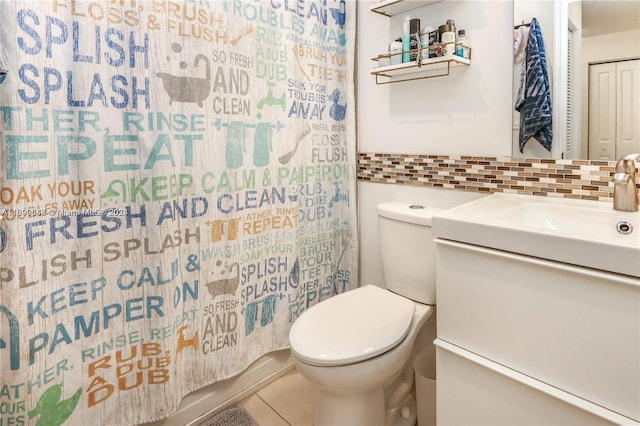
(352, 375)
(355, 343)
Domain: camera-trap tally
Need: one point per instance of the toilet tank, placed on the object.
(407, 250)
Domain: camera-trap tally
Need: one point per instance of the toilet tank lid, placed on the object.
(408, 212)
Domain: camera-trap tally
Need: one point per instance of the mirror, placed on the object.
(593, 56)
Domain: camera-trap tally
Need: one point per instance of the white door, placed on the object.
(602, 111)
(614, 109)
(628, 108)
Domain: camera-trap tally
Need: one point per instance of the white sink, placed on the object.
(577, 232)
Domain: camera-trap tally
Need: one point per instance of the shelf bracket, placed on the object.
(382, 13)
(413, 78)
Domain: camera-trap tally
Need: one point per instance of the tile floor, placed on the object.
(290, 400)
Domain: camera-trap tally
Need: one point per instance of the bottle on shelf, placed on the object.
(434, 37)
(395, 50)
(406, 38)
(462, 49)
(427, 38)
(411, 41)
(414, 43)
(452, 25)
(448, 39)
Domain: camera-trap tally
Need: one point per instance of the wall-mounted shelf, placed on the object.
(427, 68)
(394, 7)
(439, 66)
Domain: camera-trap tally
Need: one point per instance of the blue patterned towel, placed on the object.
(534, 96)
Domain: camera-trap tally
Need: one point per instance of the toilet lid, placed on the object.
(351, 327)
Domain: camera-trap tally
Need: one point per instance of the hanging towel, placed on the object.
(520, 36)
(534, 96)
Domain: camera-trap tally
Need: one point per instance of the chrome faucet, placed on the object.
(625, 195)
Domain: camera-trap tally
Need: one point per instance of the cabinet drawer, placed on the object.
(472, 390)
(571, 327)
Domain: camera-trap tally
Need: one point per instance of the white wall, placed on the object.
(608, 47)
(468, 112)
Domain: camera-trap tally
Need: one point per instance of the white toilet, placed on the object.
(354, 344)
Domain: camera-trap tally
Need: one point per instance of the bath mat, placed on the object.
(234, 415)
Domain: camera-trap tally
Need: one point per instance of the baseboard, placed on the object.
(205, 401)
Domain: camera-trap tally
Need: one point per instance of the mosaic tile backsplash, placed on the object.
(582, 179)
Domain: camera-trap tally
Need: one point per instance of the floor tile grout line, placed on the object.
(273, 409)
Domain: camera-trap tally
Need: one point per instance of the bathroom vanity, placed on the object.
(538, 312)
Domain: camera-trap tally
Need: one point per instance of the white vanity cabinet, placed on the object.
(528, 340)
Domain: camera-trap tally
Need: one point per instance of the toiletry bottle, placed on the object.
(448, 38)
(452, 25)
(434, 37)
(414, 40)
(442, 29)
(461, 47)
(406, 39)
(395, 49)
(426, 40)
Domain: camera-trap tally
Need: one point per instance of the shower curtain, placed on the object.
(177, 186)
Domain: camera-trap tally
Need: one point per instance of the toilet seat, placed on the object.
(351, 327)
